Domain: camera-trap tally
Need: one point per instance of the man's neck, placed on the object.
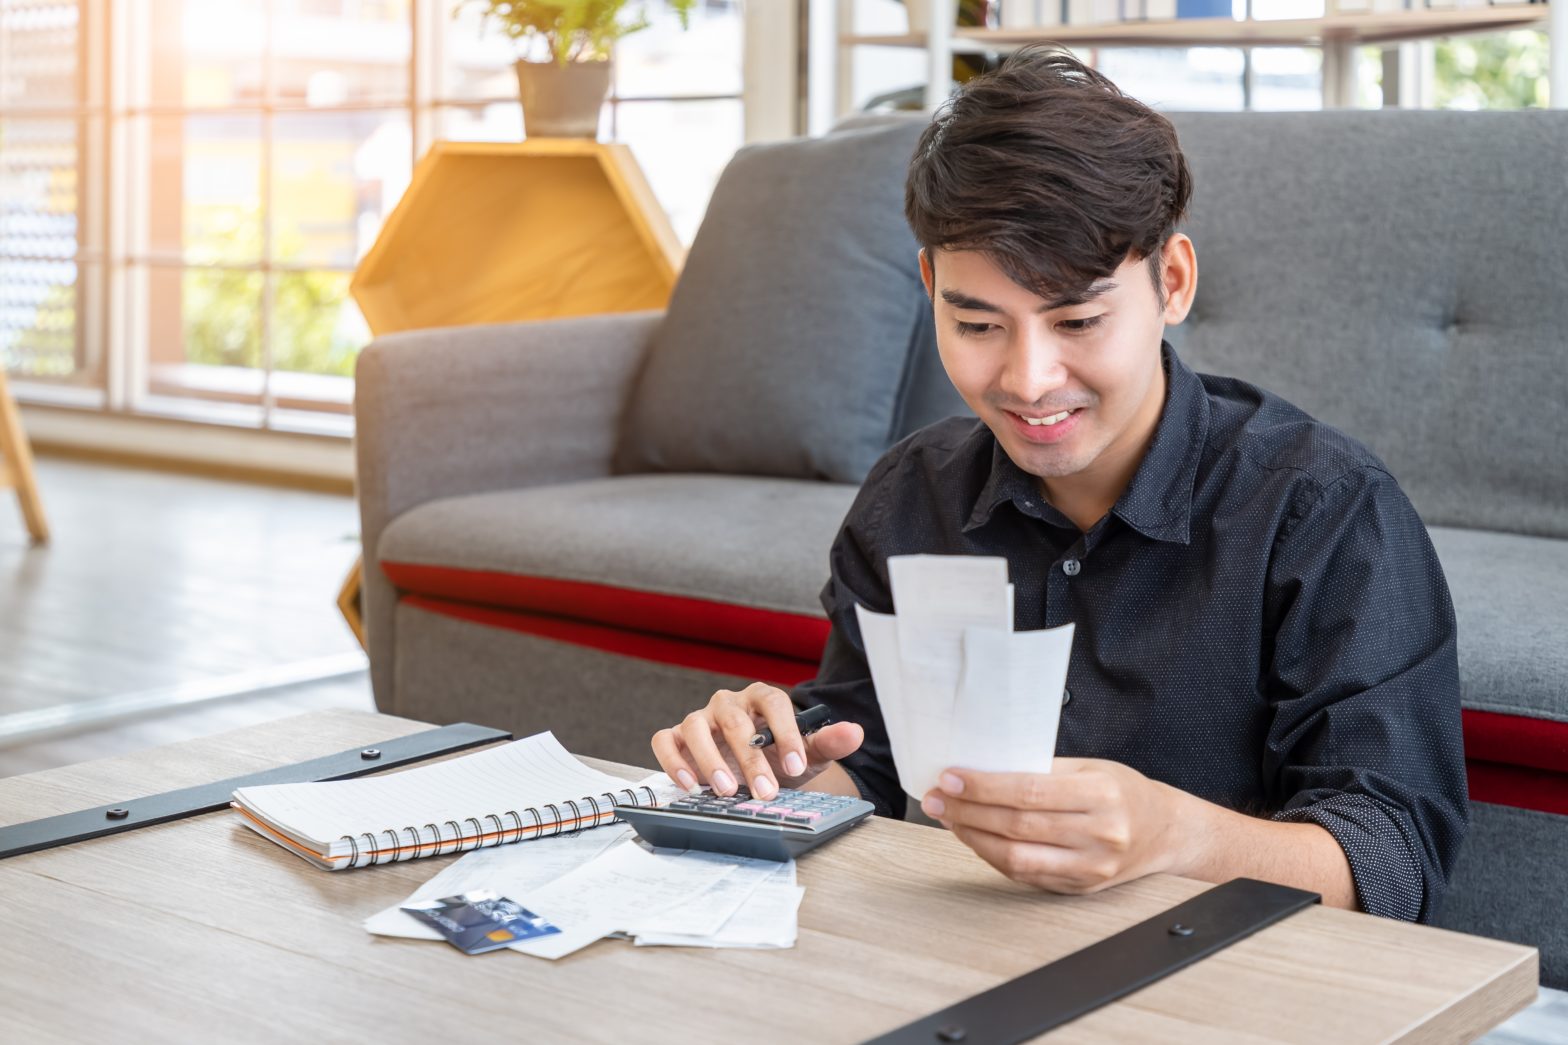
(1085, 497)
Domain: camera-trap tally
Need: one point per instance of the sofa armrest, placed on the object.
(461, 410)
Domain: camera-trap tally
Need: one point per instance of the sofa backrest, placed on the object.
(799, 313)
(1403, 276)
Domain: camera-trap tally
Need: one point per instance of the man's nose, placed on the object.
(1033, 369)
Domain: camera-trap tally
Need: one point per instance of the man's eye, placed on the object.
(1078, 326)
(974, 329)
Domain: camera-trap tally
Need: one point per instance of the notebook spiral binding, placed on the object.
(391, 845)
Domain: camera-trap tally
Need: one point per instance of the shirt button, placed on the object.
(1071, 567)
(1067, 696)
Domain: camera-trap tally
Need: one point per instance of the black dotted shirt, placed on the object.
(1261, 621)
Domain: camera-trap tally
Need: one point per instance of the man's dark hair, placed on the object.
(1049, 169)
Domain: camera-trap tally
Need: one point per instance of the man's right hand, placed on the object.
(712, 745)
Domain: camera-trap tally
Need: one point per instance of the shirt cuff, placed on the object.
(1388, 876)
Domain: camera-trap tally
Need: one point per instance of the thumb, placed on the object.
(831, 743)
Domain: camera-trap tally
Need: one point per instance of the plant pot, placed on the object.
(562, 101)
(980, 13)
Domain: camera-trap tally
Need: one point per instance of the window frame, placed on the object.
(112, 297)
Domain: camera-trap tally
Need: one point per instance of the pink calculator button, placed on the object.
(809, 814)
(778, 809)
(750, 807)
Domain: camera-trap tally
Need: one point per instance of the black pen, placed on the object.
(808, 721)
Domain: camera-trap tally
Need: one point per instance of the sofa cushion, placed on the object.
(1511, 599)
(1512, 610)
(799, 308)
(720, 560)
(1399, 287)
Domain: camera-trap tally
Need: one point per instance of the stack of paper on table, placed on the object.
(604, 882)
(956, 684)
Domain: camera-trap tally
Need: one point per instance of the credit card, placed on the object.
(480, 921)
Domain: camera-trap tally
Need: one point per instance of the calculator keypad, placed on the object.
(810, 810)
(782, 827)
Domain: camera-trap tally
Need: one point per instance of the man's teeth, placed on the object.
(1053, 419)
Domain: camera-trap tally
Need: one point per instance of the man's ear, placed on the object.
(1179, 271)
(927, 273)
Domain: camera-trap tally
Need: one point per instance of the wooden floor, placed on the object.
(155, 580)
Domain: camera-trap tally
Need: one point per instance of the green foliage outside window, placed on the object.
(222, 307)
(1496, 71)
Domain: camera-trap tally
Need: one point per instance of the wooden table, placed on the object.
(201, 930)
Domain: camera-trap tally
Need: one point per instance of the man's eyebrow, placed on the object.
(958, 299)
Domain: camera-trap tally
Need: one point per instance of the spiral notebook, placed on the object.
(525, 789)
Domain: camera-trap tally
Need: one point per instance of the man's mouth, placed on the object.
(1047, 428)
(1050, 419)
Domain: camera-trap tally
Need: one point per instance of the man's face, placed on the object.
(1062, 383)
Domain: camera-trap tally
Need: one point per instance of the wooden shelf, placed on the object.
(1355, 28)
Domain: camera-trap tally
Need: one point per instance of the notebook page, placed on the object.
(517, 870)
(534, 771)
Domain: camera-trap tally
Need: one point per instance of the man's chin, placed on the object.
(1048, 461)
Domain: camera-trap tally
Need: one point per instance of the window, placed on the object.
(44, 248)
(1491, 71)
(179, 240)
(676, 98)
(262, 143)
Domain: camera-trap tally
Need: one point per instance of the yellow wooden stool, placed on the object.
(16, 465)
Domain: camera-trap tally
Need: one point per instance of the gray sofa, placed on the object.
(588, 525)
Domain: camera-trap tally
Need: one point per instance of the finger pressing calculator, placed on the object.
(779, 828)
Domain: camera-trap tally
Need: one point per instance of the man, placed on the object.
(1263, 681)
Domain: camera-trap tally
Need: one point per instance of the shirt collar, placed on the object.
(1007, 482)
(1158, 501)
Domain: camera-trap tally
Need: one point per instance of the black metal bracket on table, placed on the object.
(205, 798)
(1081, 982)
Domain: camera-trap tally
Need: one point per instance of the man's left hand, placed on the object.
(1085, 826)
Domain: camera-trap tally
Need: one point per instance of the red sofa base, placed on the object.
(686, 653)
(1512, 760)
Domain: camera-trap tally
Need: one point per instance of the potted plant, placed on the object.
(563, 91)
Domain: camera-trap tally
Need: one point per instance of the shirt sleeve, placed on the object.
(1365, 737)
(857, 573)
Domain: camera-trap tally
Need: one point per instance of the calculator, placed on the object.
(779, 828)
